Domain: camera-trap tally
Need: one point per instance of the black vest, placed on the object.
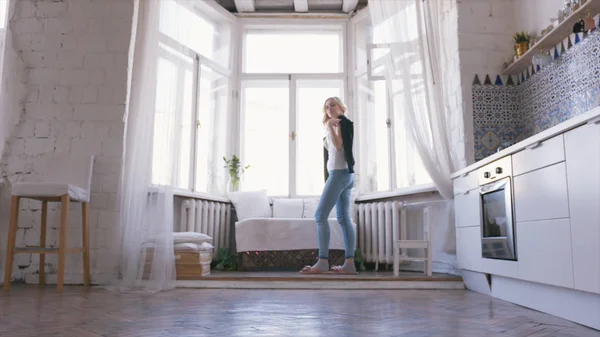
(347, 127)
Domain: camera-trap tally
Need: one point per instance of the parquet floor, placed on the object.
(29, 310)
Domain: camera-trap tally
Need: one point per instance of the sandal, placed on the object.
(310, 270)
(339, 270)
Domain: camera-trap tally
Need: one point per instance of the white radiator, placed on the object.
(379, 224)
(208, 217)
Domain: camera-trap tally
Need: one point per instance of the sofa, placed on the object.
(280, 233)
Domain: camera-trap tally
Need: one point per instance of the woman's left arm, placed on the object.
(336, 136)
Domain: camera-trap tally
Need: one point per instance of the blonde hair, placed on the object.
(338, 101)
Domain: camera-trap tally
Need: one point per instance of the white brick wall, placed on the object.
(12, 86)
(75, 52)
(485, 30)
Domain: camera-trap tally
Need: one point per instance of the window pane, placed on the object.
(409, 166)
(361, 40)
(211, 143)
(382, 136)
(185, 142)
(374, 133)
(311, 95)
(293, 52)
(265, 142)
(173, 118)
(183, 24)
(3, 10)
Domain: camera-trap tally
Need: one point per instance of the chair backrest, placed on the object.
(68, 169)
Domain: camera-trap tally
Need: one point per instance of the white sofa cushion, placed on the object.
(310, 207)
(288, 208)
(190, 237)
(251, 204)
(263, 234)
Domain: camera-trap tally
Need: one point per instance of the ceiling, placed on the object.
(292, 6)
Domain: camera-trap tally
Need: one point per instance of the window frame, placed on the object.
(213, 14)
(361, 21)
(275, 25)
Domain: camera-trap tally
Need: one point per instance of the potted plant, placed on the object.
(521, 43)
(235, 173)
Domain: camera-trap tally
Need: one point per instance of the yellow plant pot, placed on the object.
(521, 48)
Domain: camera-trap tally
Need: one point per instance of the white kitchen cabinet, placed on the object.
(542, 194)
(467, 208)
(465, 182)
(544, 252)
(538, 155)
(468, 248)
(582, 148)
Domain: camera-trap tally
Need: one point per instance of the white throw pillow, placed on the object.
(310, 207)
(251, 204)
(288, 208)
(190, 237)
(205, 246)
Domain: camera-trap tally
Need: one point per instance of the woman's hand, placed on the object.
(335, 135)
(333, 122)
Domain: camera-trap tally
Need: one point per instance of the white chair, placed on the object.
(65, 179)
(403, 244)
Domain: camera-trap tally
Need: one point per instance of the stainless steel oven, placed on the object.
(498, 239)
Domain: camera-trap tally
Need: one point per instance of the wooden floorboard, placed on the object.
(30, 310)
(327, 277)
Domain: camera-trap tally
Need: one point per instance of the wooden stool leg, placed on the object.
(12, 237)
(43, 242)
(62, 244)
(85, 223)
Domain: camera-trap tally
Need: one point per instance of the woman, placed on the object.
(339, 180)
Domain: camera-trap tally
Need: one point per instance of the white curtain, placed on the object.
(410, 28)
(146, 258)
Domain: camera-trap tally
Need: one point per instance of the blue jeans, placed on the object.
(336, 193)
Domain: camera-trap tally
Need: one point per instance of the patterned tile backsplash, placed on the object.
(507, 110)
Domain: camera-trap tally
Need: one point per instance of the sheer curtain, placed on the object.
(412, 68)
(146, 259)
(410, 30)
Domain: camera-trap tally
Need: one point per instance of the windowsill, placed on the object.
(178, 192)
(425, 188)
(199, 195)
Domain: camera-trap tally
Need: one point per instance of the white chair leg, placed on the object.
(396, 260)
(429, 262)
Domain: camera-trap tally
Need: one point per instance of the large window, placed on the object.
(192, 99)
(293, 50)
(387, 157)
(287, 74)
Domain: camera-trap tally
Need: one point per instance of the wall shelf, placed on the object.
(550, 40)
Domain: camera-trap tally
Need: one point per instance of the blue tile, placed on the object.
(540, 99)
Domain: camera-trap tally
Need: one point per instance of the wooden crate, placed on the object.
(188, 264)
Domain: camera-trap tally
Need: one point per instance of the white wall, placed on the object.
(76, 54)
(485, 30)
(534, 15)
(12, 87)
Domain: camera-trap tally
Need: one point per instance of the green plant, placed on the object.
(226, 260)
(235, 170)
(359, 262)
(521, 37)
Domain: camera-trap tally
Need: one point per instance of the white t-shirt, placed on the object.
(337, 159)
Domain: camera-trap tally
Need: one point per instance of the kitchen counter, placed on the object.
(590, 116)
